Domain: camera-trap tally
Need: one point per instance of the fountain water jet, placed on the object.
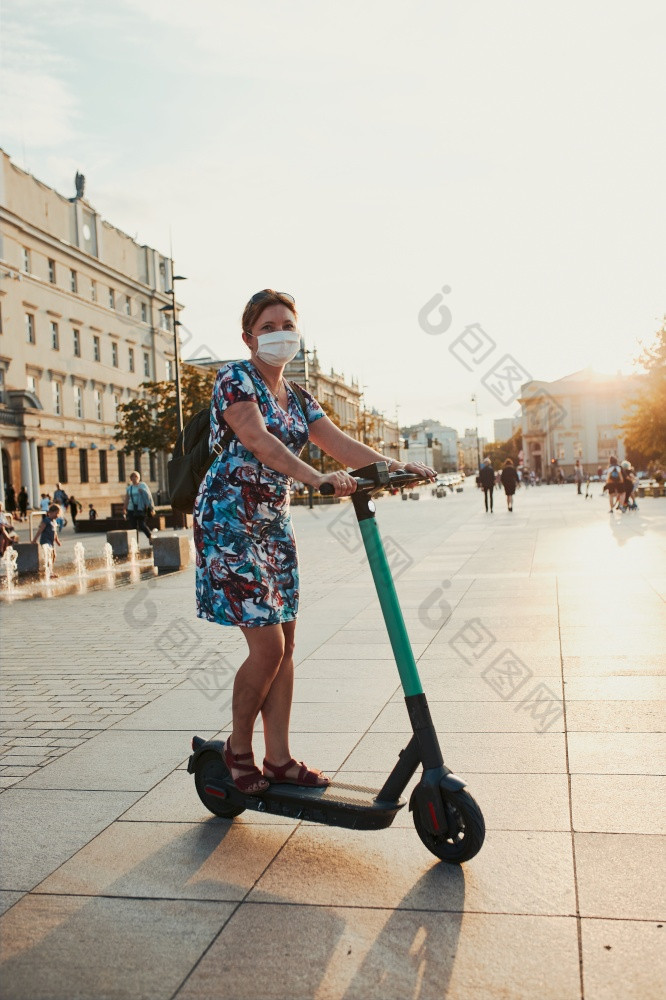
(80, 560)
(107, 555)
(48, 552)
(10, 559)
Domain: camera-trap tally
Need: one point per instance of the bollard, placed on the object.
(171, 551)
(30, 558)
(119, 542)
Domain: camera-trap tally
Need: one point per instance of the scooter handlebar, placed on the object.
(395, 479)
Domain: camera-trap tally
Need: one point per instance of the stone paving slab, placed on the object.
(155, 897)
(44, 820)
(141, 947)
(383, 954)
(623, 958)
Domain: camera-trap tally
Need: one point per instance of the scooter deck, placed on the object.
(337, 804)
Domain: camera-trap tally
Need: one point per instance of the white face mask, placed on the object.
(278, 347)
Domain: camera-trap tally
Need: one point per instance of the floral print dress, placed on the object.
(247, 567)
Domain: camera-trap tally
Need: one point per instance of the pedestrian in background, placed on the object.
(614, 484)
(47, 532)
(138, 504)
(74, 508)
(578, 477)
(487, 483)
(10, 500)
(509, 478)
(23, 503)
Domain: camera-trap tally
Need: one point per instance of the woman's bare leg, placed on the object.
(276, 709)
(253, 681)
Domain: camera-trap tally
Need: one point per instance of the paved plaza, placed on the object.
(540, 637)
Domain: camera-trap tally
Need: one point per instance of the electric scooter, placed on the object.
(446, 817)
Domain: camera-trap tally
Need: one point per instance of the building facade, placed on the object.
(505, 427)
(577, 417)
(80, 330)
(471, 450)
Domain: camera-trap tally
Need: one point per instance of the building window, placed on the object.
(32, 383)
(121, 466)
(167, 370)
(131, 359)
(152, 473)
(52, 271)
(96, 349)
(165, 321)
(98, 404)
(103, 470)
(73, 282)
(146, 364)
(56, 389)
(26, 260)
(62, 465)
(137, 462)
(76, 337)
(55, 337)
(114, 354)
(2, 385)
(93, 291)
(83, 465)
(78, 402)
(40, 463)
(144, 312)
(128, 306)
(112, 299)
(30, 328)
(116, 404)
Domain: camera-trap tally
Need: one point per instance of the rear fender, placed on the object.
(210, 745)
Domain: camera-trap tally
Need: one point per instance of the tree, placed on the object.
(644, 427)
(151, 422)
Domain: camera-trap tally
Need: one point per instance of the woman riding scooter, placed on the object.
(247, 568)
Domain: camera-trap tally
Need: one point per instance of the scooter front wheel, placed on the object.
(211, 772)
(465, 831)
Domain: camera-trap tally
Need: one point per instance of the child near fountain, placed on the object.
(47, 532)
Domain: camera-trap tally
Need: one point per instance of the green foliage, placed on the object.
(644, 427)
(151, 422)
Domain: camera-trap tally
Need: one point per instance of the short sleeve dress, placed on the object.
(246, 560)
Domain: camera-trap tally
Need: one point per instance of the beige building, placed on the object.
(80, 330)
(470, 449)
(574, 417)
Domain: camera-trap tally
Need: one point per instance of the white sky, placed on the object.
(362, 155)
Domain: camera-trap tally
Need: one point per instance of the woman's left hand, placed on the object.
(420, 469)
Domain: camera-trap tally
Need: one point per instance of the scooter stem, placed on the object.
(388, 598)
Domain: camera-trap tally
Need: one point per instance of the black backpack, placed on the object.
(192, 457)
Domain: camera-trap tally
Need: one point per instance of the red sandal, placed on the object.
(310, 777)
(252, 781)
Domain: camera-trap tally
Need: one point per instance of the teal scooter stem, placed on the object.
(446, 817)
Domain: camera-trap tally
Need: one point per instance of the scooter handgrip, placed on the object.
(327, 489)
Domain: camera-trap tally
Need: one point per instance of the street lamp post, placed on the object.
(173, 308)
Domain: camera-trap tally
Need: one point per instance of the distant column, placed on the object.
(26, 473)
(2, 476)
(34, 465)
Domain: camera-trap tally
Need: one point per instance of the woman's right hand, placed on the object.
(341, 481)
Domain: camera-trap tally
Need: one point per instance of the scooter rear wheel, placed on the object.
(211, 768)
(466, 830)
